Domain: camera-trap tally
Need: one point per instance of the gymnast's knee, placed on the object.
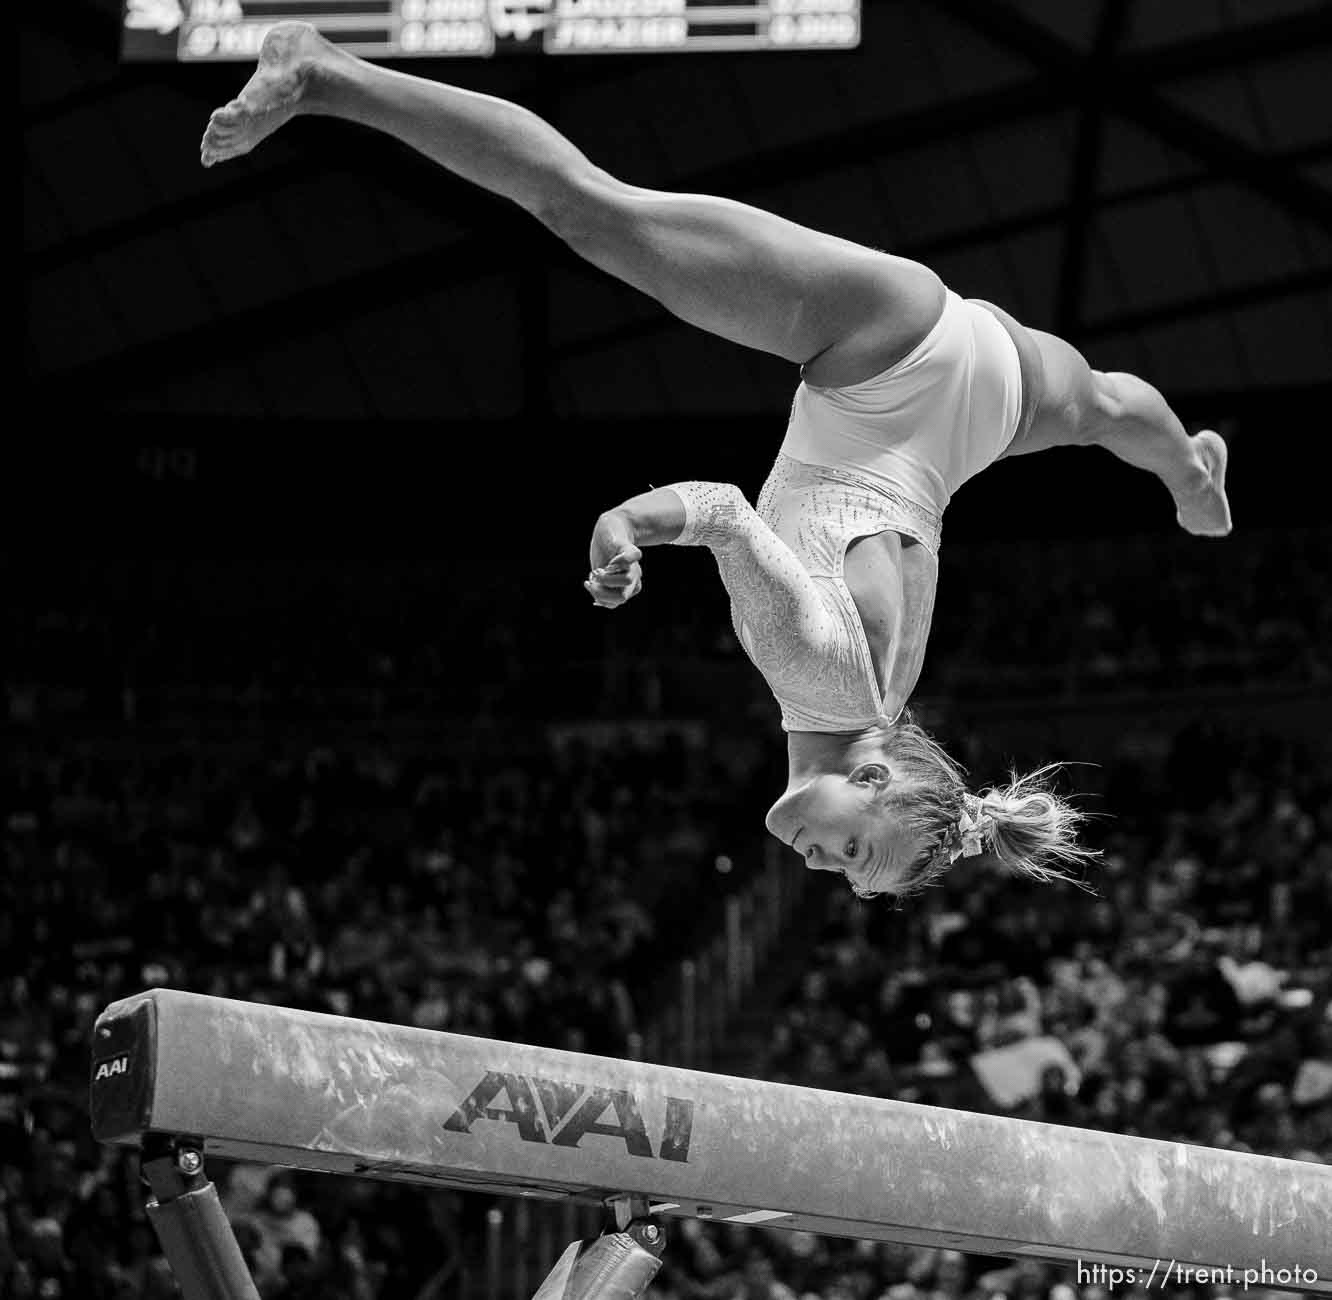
(587, 209)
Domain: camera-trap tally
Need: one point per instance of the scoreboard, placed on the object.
(197, 31)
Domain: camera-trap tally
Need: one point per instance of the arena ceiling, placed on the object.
(1153, 180)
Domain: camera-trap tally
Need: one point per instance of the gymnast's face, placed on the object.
(840, 823)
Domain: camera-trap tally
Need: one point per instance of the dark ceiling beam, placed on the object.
(1212, 303)
(299, 314)
(873, 141)
(387, 167)
(477, 255)
(1099, 67)
(422, 184)
(1222, 152)
(82, 28)
(93, 96)
(439, 267)
(1240, 47)
(471, 258)
(811, 158)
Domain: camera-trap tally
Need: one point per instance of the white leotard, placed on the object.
(924, 426)
(885, 454)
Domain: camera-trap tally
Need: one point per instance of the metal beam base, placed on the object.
(618, 1265)
(206, 1259)
(192, 1226)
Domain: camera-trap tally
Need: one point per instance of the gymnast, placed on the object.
(907, 390)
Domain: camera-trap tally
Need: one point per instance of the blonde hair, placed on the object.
(1029, 828)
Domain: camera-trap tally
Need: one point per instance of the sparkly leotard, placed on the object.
(882, 455)
(790, 606)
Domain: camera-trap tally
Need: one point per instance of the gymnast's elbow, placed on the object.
(653, 518)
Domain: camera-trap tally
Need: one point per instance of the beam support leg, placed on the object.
(618, 1265)
(191, 1224)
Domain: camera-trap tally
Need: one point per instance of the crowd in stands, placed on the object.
(1187, 1000)
(538, 892)
(533, 900)
(524, 898)
(1190, 1000)
(1124, 614)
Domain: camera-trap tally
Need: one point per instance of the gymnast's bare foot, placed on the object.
(290, 55)
(1204, 510)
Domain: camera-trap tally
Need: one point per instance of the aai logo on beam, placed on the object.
(562, 1114)
(111, 1068)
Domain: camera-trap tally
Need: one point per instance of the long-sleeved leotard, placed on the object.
(881, 455)
(790, 606)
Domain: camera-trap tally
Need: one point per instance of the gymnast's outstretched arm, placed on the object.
(778, 613)
(734, 270)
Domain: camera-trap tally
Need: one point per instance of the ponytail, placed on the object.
(1025, 825)
(1033, 831)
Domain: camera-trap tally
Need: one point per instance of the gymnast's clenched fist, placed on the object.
(617, 570)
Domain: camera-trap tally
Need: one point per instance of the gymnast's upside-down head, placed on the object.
(894, 823)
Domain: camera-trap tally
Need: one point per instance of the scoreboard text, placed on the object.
(191, 31)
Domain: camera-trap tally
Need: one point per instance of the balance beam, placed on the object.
(244, 1081)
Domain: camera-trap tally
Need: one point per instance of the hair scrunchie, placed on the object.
(973, 825)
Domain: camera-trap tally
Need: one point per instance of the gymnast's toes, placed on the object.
(1205, 511)
(272, 96)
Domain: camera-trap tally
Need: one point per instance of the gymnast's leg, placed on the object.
(736, 271)
(1132, 420)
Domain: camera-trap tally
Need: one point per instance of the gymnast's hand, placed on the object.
(617, 571)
